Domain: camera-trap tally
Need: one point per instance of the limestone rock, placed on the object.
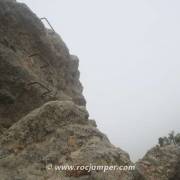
(43, 116)
(57, 133)
(160, 163)
(35, 65)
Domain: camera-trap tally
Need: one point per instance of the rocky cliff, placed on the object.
(35, 65)
(43, 116)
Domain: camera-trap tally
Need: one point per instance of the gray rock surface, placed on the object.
(57, 133)
(35, 65)
(160, 163)
(43, 116)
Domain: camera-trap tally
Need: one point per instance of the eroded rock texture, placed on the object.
(43, 118)
(160, 163)
(59, 133)
(35, 65)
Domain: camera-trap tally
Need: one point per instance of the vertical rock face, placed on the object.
(35, 65)
(43, 118)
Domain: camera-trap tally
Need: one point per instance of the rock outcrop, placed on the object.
(43, 116)
(160, 163)
(35, 65)
(57, 133)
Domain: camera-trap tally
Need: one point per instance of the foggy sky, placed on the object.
(129, 55)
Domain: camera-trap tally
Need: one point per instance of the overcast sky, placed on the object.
(129, 55)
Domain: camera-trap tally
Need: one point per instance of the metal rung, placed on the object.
(48, 23)
(48, 91)
(38, 54)
(32, 55)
